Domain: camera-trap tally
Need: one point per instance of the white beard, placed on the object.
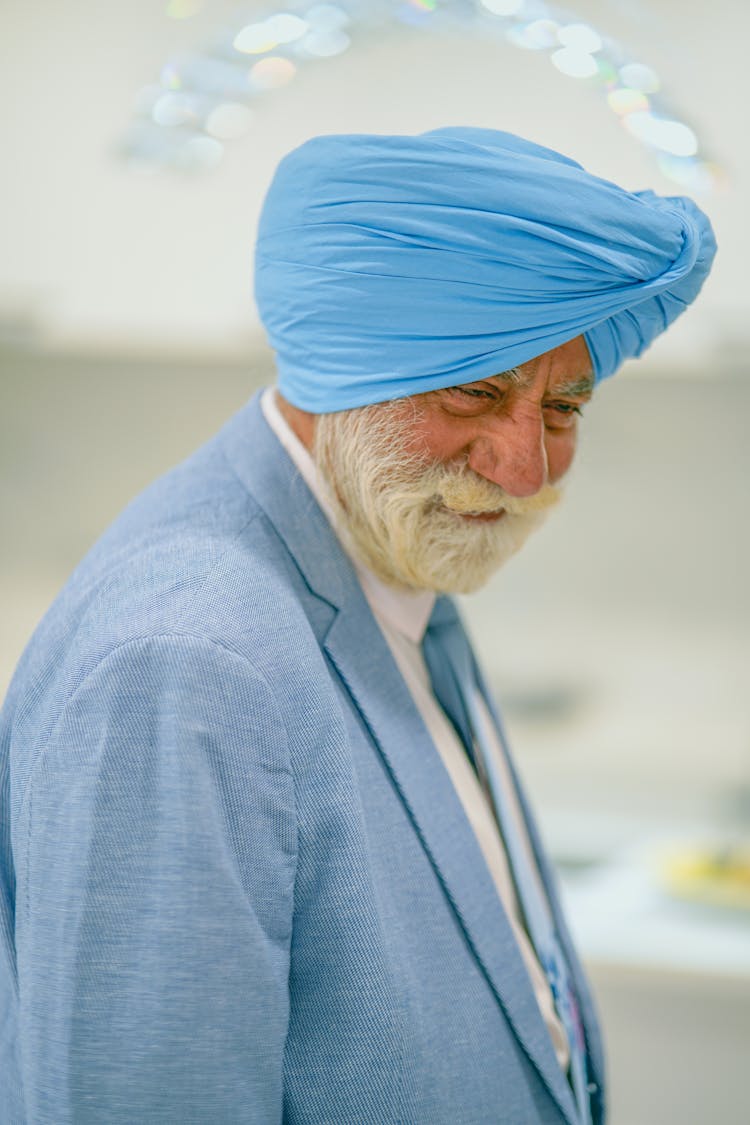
(402, 516)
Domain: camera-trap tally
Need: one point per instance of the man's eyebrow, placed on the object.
(514, 376)
(575, 388)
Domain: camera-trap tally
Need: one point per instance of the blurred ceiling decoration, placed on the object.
(209, 98)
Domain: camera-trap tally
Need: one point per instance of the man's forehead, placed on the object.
(575, 384)
(569, 366)
(570, 374)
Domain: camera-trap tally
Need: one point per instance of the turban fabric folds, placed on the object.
(389, 265)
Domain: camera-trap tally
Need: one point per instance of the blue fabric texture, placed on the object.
(392, 265)
(457, 688)
(236, 883)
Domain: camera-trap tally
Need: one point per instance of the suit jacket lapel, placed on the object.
(361, 656)
(588, 1010)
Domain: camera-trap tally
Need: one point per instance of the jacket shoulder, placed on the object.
(193, 555)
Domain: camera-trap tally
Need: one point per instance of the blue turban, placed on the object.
(387, 265)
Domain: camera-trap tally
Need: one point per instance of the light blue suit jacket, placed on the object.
(237, 885)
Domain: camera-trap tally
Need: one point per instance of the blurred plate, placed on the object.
(712, 876)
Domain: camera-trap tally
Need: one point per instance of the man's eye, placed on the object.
(560, 413)
(472, 392)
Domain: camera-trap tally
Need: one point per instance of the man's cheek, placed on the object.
(561, 452)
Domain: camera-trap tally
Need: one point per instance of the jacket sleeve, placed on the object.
(155, 900)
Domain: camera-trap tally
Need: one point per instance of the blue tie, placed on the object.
(439, 644)
(450, 664)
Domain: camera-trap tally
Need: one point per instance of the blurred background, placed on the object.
(134, 169)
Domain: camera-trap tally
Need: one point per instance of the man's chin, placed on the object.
(452, 566)
(467, 579)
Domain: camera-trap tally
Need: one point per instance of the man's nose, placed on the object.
(512, 454)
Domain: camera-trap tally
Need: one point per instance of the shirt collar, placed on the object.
(406, 611)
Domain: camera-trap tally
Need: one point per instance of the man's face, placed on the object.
(438, 490)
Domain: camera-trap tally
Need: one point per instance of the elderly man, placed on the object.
(265, 855)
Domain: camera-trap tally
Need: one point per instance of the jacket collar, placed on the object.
(267, 472)
(406, 611)
(364, 662)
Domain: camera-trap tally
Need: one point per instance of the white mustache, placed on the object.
(463, 491)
